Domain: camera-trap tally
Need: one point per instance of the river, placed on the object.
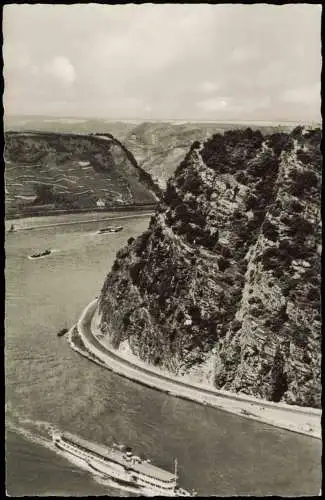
(218, 453)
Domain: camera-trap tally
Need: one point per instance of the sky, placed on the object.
(227, 62)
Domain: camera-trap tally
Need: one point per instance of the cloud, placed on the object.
(244, 54)
(15, 56)
(181, 59)
(157, 36)
(62, 69)
(303, 95)
(208, 87)
(213, 104)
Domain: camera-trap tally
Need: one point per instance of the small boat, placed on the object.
(110, 229)
(62, 332)
(40, 254)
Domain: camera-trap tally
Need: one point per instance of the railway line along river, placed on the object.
(48, 383)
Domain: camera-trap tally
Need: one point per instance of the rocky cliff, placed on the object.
(224, 285)
(71, 171)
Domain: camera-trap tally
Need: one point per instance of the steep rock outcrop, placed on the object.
(224, 285)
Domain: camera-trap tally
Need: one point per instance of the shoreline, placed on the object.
(302, 420)
(48, 220)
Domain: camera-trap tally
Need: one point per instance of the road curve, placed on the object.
(294, 418)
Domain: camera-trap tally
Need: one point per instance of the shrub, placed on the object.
(292, 249)
(302, 182)
(224, 251)
(116, 265)
(270, 231)
(126, 318)
(295, 206)
(236, 325)
(278, 272)
(301, 336)
(242, 178)
(130, 240)
(304, 157)
(300, 226)
(170, 193)
(156, 360)
(313, 398)
(297, 132)
(285, 219)
(142, 242)
(209, 240)
(238, 215)
(169, 218)
(276, 211)
(193, 184)
(279, 384)
(274, 259)
(254, 224)
(229, 280)
(280, 141)
(196, 145)
(282, 314)
(180, 316)
(214, 153)
(251, 202)
(135, 271)
(223, 264)
(313, 293)
(285, 290)
(256, 312)
(195, 313)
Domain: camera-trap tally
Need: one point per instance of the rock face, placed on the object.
(224, 285)
(71, 171)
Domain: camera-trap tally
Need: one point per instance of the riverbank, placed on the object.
(301, 420)
(10, 216)
(30, 223)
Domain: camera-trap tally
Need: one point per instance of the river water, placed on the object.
(218, 453)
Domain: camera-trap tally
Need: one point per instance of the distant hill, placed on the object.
(119, 129)
(157, 146)
(51, 171)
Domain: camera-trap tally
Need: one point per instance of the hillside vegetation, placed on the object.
(224, 285)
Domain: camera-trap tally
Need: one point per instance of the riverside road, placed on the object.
(302, 420)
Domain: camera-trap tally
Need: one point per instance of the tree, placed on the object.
(44, 193)
(279, 383)
(270, 231)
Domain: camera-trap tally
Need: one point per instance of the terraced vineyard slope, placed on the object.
(50, 172)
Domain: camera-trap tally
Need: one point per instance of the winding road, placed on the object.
(294, 418)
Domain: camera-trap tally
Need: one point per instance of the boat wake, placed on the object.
(30, 435)
(47, 435)
(40, 432)
(118, 487)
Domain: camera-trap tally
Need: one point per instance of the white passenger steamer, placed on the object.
(122, 467)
